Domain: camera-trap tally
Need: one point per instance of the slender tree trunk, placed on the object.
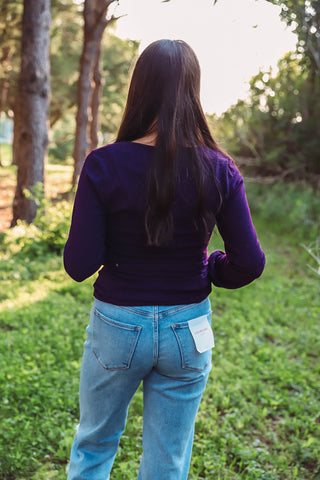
(30, 116)
(83, 96)
(95, 102)
(95, 22)
(4, 83)
(15, 143)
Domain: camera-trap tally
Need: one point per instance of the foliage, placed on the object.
(5, 154)
(314, 251)
(279, 124)
(62, 139)
(290, 210)
(264, 365)
(10, 38)
(304, 17)
(259, 418)
(116, 60)
(65, 49)
(46, 235)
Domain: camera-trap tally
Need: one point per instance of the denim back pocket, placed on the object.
(191, 359)
(113, 342)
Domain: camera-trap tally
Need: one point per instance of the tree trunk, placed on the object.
(31, 110)
(95, 22)
(95, 101)
(4, 83)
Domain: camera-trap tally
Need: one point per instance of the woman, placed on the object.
(145, 210)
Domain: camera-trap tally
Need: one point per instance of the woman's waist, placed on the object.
(172, 263)
(153, 310)
(169, 269)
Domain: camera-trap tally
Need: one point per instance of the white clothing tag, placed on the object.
(201, 331)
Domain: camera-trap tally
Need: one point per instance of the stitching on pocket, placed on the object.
(175, 327)
(119, 363)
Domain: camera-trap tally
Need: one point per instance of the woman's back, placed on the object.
(108, 228)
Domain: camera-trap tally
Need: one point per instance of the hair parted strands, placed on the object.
(164, 97)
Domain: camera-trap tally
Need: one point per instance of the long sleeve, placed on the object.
(243, 259)
(107, 230)
(84, 251)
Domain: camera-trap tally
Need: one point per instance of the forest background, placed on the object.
(260, 418)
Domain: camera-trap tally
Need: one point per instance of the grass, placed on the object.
(259, 418)
(5, 154)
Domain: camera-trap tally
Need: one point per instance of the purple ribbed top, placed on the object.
(107, 230)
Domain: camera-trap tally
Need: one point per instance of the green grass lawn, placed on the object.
(260, 415)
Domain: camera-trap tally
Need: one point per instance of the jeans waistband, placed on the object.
(152, 310)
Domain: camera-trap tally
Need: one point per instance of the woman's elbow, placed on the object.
(75, 275)
(246, 273)
(73, 270)
(255, 268)
(75, 266)
(260, 265)
(227, 272)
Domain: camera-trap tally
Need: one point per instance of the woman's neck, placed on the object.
(150, 139)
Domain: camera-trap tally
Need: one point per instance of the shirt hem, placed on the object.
(137, 302)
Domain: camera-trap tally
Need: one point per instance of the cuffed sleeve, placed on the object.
(243, 260)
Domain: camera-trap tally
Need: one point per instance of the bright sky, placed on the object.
(231, 39)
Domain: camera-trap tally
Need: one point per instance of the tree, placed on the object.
(95, 22)
(281, 123)
(65, 49)
(304, 17)
(117, 56)
(277, 124)
(31, 108)
(116, 60)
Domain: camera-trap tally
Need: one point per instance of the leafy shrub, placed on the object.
(289, 209)
(46, 235)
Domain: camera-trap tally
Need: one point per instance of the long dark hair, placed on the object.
(164, 97)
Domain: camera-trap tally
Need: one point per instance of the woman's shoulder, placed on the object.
(121, 152)
(226, 171)
(221, 161)
(109, 149)
(117, 161)
(103, 160)
(121, 147)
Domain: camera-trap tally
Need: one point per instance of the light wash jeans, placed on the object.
(124, 346)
